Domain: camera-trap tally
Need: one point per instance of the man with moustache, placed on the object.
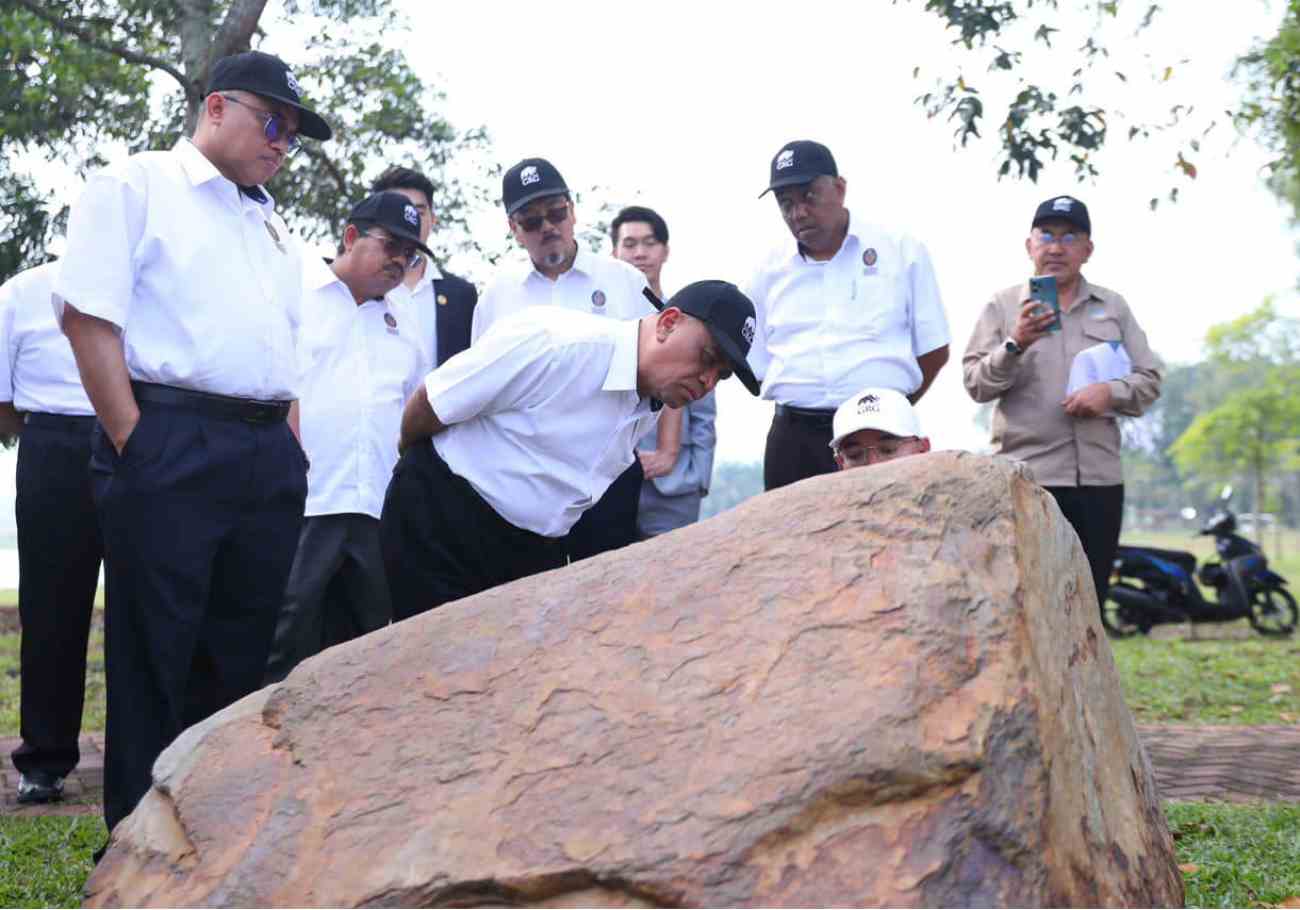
(678, 459)
(540, 215)
(180, 294)
(508, 443)
(442, 303)
(361, 358)
(1020, 356)
(842, 305)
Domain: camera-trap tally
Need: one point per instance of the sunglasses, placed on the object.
(274, 127)
(402, 249)
(534, 222)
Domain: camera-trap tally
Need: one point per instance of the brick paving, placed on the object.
(1192, 764)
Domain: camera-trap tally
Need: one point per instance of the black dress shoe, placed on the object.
(39, 787)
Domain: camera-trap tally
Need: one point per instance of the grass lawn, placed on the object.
(1231, 856)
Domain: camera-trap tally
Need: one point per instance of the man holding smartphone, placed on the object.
(1020, 356)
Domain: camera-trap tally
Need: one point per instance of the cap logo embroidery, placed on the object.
(411, 215)
(785, 159)
(597, 298)
(869, 257)
(529, 175)
(869, 404)
(293, 84)
(747, 330)
(1064, 204)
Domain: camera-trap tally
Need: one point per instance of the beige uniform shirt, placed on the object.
(1029, 423)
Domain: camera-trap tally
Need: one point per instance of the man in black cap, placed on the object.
(561, 273)
(442, 302)
(842, 305)
(531, 425)
(1060, 379)
(361, 358)
(180, 294)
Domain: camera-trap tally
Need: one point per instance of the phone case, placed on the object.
(1043, 289)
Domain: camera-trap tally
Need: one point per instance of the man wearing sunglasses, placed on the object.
(361, 358)
(443, 303)
(508, 443)
(181, 298)
(560, 272)
(1020, 356)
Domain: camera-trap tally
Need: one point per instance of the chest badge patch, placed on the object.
(442, 300)
(275, 236)
(598, 298)
(869, 257)
(390, 320)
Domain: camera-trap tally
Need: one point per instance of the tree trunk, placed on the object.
(202, 44)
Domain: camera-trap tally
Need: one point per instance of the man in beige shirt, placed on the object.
(1070, 441)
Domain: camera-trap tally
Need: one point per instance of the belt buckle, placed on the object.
(257, 412)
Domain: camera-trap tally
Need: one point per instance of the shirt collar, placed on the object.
(200, 170)
(622, 373)
(582, 262)
(318, 274)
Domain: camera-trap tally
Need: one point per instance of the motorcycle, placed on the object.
(1152, 586)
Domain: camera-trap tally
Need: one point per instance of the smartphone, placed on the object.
(1043, 289)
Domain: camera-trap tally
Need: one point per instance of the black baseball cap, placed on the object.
(1064, 208)
(801, 161)
(394, 213)
(530, 179)
(268, 76)
(729, 315)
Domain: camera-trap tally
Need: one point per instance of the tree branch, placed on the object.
(85, 36)
(318, 155)
(236, 29)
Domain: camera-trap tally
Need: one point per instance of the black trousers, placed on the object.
(441, 541)
(1096, 514)
(611, 522)
(797, 448)
(337, 590)
(200, 516)
(59, 551)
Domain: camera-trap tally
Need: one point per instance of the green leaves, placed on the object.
(81, 75)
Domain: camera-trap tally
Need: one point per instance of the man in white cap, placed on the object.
(874, 426)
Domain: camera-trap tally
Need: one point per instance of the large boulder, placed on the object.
(883, 687)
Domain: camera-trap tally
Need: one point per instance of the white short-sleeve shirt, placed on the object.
(421, 306)
(542, 414)
(826, 330)
(601, 285)
(39, 372)
(359, 366)
(204, 282)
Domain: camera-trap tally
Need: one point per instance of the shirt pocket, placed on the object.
(1099, 330)
(882, 302)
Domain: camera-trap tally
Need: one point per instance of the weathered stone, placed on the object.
(883, 687)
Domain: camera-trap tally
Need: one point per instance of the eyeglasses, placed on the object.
(534, 222)
(1047, 238)
(275, 127)
(856, 454)
(403, 249)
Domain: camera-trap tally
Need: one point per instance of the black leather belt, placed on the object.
(80, 423)
(816, 416)
(248, 410)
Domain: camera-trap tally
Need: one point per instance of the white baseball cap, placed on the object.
(885, 410)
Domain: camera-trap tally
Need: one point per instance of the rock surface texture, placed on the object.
(883, 687)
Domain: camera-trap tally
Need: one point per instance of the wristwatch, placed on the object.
(1012, 347)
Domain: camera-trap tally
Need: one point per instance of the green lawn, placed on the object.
(92, 717)
(1232, 856)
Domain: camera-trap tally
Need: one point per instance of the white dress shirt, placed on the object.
(204, 282)
(421, 306)
(359, 365)
(542, 414)
(601, 285)
(826, 330)
(39, 372)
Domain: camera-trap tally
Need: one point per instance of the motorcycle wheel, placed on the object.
(1118, 620)
(1273, 612)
